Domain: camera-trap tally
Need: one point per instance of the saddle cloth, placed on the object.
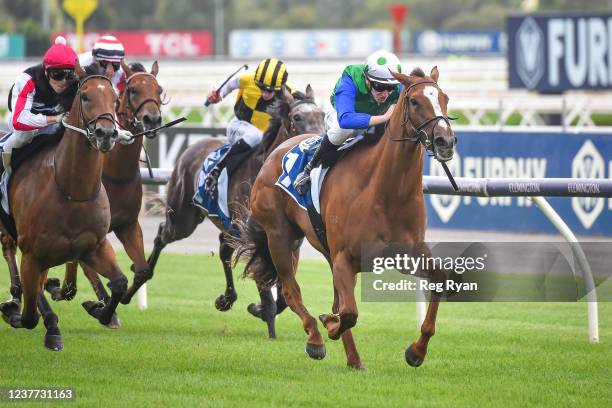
(202, 199)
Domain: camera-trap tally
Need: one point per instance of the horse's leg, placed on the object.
(350, 349)
(131, 238)
(105, 263)
(280, 245)
(101, 293)
(266, 310)
(158, 246)
(225, 301)
(53, 337)
(344, 282)
(31, 278)
(11, 309)
(415, 353)
(69, 289)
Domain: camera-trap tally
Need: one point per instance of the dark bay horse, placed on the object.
(373, 195)
(290, 116)
(139, 109)
(61, 209)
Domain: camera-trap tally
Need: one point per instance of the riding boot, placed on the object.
(237, 153)
(302, 181)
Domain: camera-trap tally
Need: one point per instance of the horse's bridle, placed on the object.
(309, 101)
(135, 122)
(89, 126)
(421, 135)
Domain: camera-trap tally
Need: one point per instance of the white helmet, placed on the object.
(378, 65)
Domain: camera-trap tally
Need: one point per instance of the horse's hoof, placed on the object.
(11, 314)
(93, 308)
(53, 286)
(255, 310)
(412, 359)
(69, 293)
(316, 351)
(115, 323)
(54, 342)
(357, 367)
(225, 302)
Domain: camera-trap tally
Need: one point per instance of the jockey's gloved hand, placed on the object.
(125, 137)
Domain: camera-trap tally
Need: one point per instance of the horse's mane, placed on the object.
(278, 110)
(418, 72)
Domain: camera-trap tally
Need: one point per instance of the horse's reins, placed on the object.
(87, 132)
(421, 135)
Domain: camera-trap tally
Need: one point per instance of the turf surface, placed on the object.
(183, 352)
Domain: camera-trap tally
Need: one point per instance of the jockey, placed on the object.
(38, 99)
(107, 50)
(364, 96)
(257, 91)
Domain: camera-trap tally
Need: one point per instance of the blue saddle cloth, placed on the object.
(215, 208)
(294, 162)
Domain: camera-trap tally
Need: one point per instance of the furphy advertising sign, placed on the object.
(552, 54)
(183, 44)
(432, 42)
(525, 155)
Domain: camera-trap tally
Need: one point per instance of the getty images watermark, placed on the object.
(476, 271)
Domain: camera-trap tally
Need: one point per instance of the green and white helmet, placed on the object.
(378, 65)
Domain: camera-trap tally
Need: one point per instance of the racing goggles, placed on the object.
(61, 74)
(380, 87)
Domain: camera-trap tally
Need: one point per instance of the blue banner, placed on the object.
(552, 54)
(459, 42)
(522, 154)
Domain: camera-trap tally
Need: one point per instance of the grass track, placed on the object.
(183, 352)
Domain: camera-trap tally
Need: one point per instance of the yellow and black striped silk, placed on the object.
(272, 73)
(250, 106)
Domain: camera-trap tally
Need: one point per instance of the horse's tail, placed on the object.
(252, 247)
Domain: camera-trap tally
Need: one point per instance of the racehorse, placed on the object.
(66, 219)
(290, 116)
(373, 195)
(139, 109)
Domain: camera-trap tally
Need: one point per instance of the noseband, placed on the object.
(135, 122)
(421, 135)
(89, 126)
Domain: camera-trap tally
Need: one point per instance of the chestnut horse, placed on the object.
(61, 209)
(290, 116)
(373, 195)
(138, 110)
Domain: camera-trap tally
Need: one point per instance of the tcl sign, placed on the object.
(558, 53)
(154, 43)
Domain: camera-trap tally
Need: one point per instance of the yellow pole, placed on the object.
(80, 23)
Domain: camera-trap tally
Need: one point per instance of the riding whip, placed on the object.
(245, 66)
(450, 176)
(167, 125)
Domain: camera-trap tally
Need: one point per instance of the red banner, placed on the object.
(153, 43)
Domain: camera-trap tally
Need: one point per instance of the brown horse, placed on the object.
(290, 116)
(138, 110)
(66, 219)
(373, 195)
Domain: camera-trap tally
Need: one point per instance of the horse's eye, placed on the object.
(414, 102)
(160, 90)
(297, 118)
(132, 91)
(84, 98)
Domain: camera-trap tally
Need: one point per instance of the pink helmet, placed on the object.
(59, 55)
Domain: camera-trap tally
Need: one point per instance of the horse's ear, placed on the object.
(155, 69)
(126, 69)
(403, 78)
(287, 97)
(78, 69)
(434, 73)
(309, 92)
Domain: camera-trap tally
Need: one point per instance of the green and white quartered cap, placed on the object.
(378, 65)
